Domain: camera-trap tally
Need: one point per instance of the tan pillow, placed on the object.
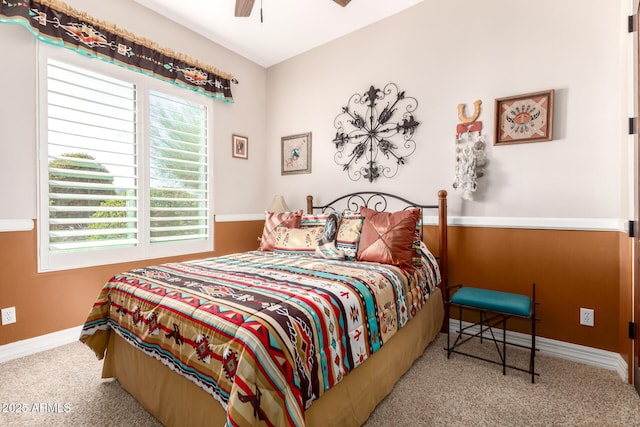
(273, 220)
(297, 241)
(349, 233)
(388, 237)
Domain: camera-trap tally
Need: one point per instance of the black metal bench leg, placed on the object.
(448, 340)
(459, 318)
(504, 345)
(533, 350)
(532, 364)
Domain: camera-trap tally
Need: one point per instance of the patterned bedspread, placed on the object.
(264, 334)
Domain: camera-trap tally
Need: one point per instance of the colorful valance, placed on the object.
(57, 23)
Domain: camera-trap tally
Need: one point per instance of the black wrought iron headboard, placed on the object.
(375, 200)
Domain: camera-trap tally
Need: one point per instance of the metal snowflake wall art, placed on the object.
(375, 133)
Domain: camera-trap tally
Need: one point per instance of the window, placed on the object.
(124, 165)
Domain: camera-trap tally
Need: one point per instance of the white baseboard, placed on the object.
(564, 350)
(34, 345)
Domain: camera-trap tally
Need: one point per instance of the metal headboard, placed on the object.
(377, 201)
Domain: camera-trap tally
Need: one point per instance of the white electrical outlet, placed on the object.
(8, 315)
(586, 316)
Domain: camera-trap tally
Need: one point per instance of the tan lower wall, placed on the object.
(571, 269)
(626, 300)
(50, 302)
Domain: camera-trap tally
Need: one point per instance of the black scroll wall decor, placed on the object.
(375, 133)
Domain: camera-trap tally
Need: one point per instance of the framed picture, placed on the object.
(240, 146)
(524, 118)
(296, 154)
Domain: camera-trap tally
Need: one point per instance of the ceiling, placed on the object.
(289, 27)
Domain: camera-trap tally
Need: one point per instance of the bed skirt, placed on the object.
(176, 401)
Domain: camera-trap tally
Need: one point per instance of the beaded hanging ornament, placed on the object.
(470, 154)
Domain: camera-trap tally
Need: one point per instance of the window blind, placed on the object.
(178, 169)
(92, 163)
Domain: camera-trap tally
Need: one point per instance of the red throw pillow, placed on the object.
(388, 237)
(272, 221)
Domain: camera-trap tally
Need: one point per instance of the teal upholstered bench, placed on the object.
(495, 308)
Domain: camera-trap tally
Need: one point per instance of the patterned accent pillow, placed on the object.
(349, 233)
(297, 241)
(417, 240)
(327, 244)
(313, 220)
(388, 237)
(274, 220)
(429, 267)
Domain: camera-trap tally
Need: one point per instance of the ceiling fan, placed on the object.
(244, 7)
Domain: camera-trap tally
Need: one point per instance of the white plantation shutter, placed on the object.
(178, 169)
(124, 165)
(92, 171)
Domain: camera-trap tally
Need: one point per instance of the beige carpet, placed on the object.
(62, 387)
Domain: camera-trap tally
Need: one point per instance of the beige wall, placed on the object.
(445, 53)
(241, 191)
(441, 52)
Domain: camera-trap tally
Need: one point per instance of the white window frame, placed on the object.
(144, 250)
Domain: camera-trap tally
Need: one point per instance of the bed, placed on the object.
(287, 334)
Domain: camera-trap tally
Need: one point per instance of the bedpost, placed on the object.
(309, 204)
(443, 254)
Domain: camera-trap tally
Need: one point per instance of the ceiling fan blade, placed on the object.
(342, 3)
(243, 7)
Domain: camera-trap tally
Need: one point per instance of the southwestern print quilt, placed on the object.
(264, 334)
